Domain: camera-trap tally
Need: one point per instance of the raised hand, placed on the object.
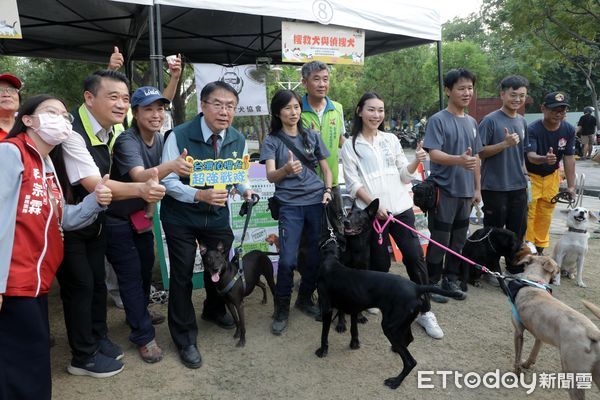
(468, 161)
(116, 60)
(550, 157)
(420, 154)
(152, 191)
(181, 166)
(103, 192)
(292, 166)
(511, 139)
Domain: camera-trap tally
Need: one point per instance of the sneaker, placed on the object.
(429, 323)
(373, 311)
(452, 286)
(150, 352)
(156, 317)
(438, 298)
(97, 366)
(109, 349)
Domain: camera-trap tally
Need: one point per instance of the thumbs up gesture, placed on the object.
(420, 154)
(467, 160)
(292, 166)
(103, 192)
(511, 139)
(181, 166)
(116, 60)
(550, 157)
(151, 190)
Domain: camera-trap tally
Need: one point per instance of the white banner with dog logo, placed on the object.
(10, 27)
(249, 81)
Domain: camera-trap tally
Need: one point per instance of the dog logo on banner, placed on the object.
(220, 172)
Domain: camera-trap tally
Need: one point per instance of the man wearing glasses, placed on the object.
(190, 215)
(9, 102)
(503, 173)
(550, 140)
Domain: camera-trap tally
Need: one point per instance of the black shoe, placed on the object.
(97, 366)
(452, 286)
(109, 349)
(438, 298)
(190, 356)
(304, 303)
(224, 321)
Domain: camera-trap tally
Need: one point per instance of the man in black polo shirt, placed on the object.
(586, 127)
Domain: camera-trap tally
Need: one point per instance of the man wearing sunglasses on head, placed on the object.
(550, 140)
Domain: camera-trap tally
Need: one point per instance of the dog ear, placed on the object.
(202, 248)
(372, 208)
(221, 247)
(551, 266)
(592, 216)
(525, 260)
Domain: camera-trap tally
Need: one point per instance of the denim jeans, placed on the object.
(292, 221)
(132, 257)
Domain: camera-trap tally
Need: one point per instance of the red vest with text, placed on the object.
(38, 245)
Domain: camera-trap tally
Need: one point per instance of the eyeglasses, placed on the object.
(559, 110)
(9, 90)
(53, 113)
(218, 106)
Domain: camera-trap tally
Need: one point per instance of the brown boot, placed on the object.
(150, 352)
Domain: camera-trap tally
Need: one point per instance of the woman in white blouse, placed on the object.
(375, 167)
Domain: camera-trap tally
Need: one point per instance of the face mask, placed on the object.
(53, 129)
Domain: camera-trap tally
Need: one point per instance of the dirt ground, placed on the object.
(478, 338)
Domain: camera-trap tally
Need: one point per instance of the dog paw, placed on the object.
(581, 285)
(241, 343)
(321, 351)
(392, 383)
(236, 335)
(571, 276)
(340, 328)
(526, 365)
(476, 283)
(355, 344)
(362, 319)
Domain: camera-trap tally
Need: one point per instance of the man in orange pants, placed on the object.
(550, 140)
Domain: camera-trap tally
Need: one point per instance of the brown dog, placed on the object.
(273, 239)
(553, 322)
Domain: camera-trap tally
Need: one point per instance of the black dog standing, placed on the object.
(233, 285)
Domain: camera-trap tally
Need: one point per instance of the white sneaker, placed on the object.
(429, 322)
(373, 311)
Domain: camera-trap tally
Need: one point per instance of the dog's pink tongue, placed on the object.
(215, 277)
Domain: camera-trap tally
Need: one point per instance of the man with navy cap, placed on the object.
(550, 140)
(9, 102)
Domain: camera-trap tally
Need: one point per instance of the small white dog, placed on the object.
(572, 247)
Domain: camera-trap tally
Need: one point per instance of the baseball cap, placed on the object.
(10, 78)
(147, 95)
(555, 99)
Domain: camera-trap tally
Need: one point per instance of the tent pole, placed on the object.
(152, 40)
(159, 59)
(440, 76)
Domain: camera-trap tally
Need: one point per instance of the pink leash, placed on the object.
(380, 228)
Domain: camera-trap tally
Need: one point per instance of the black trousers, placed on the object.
(506, 209)
(182, 242)
(409, 245)
(83, 290)
(25, 349)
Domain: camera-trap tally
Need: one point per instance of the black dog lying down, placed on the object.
(357, 254)
(351, 291)
(223, 272)
(485, 247)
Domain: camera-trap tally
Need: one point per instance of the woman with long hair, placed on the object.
(375, 167)
(34, 215)
(301, 193)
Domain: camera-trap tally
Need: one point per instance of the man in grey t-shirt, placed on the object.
(452, 142)
(503, 173)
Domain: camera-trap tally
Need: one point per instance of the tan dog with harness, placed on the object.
(553, 322)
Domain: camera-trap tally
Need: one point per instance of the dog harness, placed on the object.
(231, 284)
(515, 285)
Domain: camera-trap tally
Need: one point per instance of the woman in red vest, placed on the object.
(33, 216)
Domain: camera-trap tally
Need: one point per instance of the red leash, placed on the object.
(380, 228)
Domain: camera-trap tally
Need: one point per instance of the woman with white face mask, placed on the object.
(33, 215)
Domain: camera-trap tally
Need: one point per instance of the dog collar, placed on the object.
(577, 230)
(226, 289)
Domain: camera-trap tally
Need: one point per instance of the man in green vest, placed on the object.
(326, 116)
(191, 215)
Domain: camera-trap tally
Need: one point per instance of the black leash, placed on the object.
(245, 209)
(563, 197)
